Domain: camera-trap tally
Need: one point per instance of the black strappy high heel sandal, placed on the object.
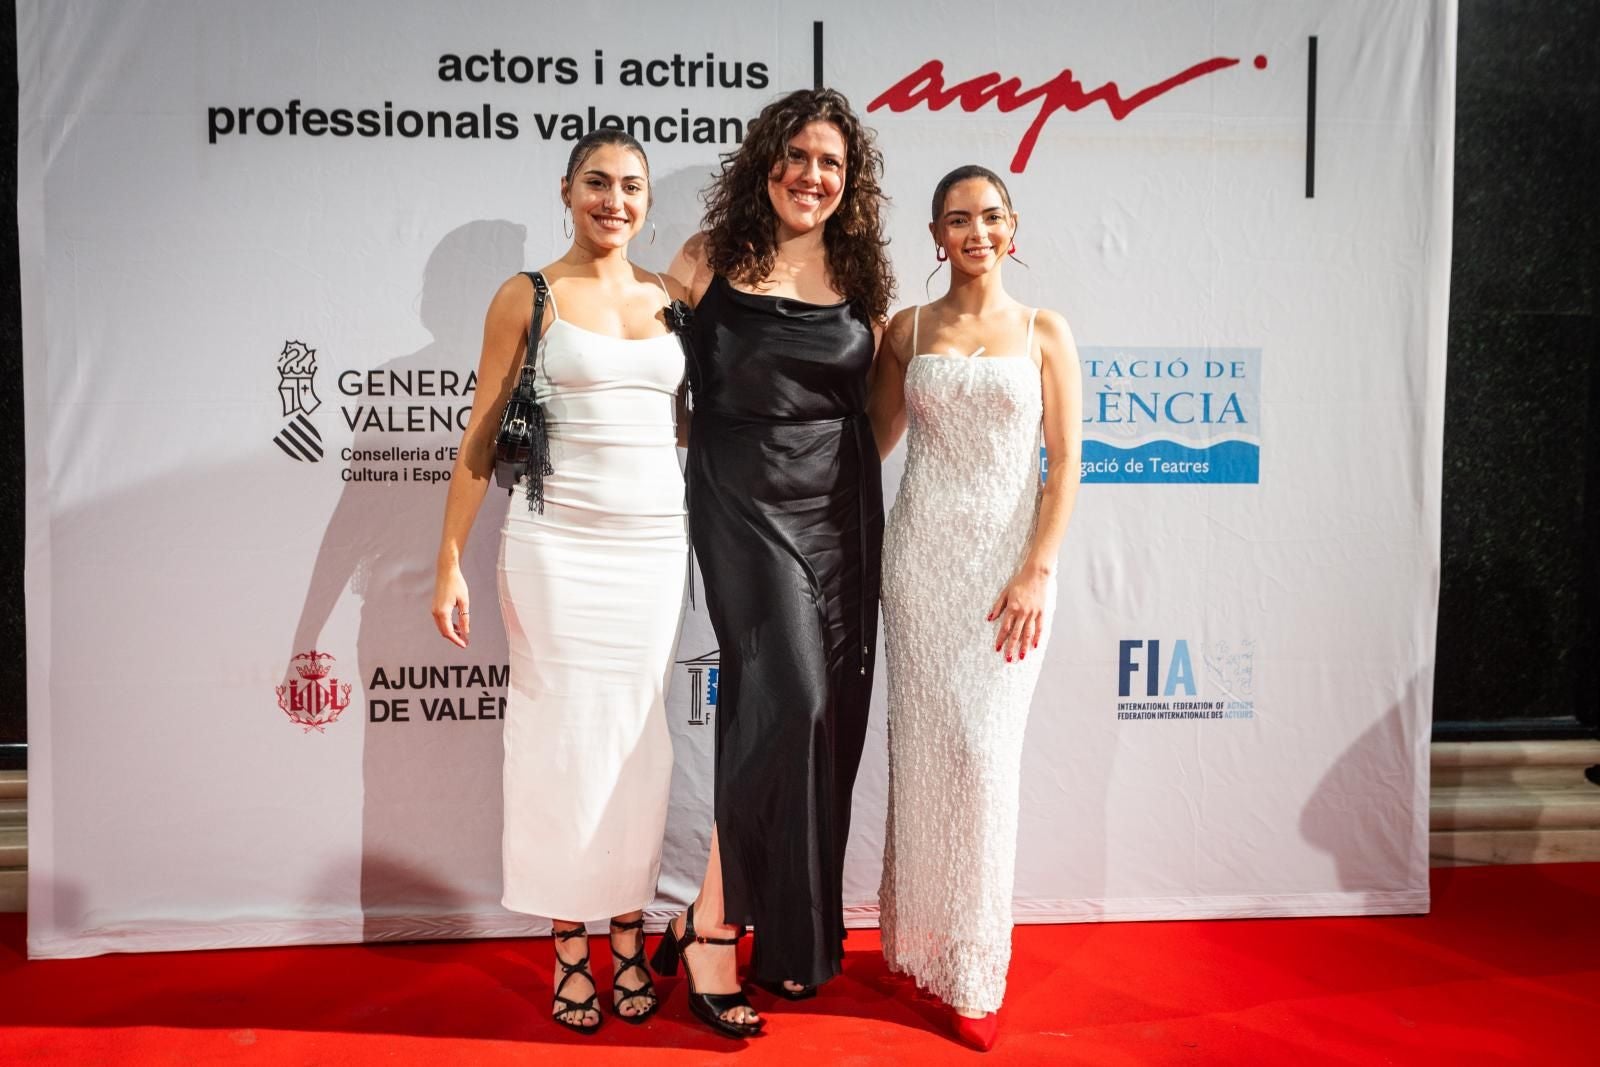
(566, 1005)
(621, 964)
(707, 1007)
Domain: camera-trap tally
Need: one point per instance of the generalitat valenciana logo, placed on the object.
(297, 389)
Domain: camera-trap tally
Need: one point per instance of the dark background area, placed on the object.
(1517, 648)
(1517, 603)
(13, 654)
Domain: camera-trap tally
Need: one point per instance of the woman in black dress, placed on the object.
(790, 281)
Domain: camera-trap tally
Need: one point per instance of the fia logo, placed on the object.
(1180, 671)
(316, 698)
(297, 371)
(703, 671)
(1229, 667)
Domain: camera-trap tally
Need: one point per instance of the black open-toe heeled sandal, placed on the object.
(566, 1005)
(707, 1007)
(620, 964)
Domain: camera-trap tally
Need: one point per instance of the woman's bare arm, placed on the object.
(886, 405)
(1062, 382)
(690, 268)
(1021, 604)
(504, 339)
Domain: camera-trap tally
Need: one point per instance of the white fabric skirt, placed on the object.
(592, 598)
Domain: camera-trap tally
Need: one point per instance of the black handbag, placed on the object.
(522, 447)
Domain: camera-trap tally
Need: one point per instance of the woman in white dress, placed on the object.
(591, 579)
(969, 560)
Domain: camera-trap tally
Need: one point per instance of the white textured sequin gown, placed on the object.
(957, 533)
(591, 592)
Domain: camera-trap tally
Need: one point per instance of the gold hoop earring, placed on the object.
(652, 230)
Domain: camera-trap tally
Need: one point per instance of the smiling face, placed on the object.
(806, 185)
(609, 196)
(975, 228)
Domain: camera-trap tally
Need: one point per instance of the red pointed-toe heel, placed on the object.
(975, 1033)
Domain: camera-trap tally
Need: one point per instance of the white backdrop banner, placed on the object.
(258, 242)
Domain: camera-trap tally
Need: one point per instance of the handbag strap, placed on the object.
(541, 291)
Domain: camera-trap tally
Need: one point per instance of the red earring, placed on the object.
(939, 254)
(1013, 249)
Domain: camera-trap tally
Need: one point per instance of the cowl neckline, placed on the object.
(789, 306)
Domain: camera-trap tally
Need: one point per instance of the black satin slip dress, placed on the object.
(786, 517)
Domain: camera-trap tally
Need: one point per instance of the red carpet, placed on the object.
(1505, 970)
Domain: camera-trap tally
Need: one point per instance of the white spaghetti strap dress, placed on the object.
(591, 592)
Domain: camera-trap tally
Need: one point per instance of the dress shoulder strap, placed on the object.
(663, 283)
(1027, 346)
(916, 321)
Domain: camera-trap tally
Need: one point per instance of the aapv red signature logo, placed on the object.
(316, 699)
(925, 85)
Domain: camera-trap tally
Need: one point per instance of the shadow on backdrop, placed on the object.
(1363, 812)
(431, 807)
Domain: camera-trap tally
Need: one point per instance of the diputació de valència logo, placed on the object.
(297, 390)
(703, 672)
(1181, 415)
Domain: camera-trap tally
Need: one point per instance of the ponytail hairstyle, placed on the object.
(966, 173)
(955, 177)
(604, 136)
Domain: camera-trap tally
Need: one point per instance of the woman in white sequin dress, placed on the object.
(969, 593)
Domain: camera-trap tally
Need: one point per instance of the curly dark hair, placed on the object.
(741, 226)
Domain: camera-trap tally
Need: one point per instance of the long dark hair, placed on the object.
(961, 174)
(741, 225)
(605, 135)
